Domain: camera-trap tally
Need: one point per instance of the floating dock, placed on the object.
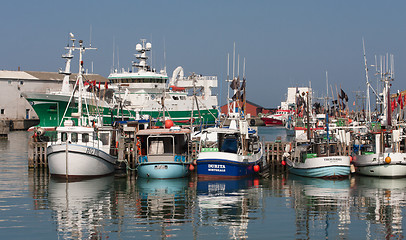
(126, 152)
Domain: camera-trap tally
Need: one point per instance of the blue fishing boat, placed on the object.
(229, 153)
(232, 151)
(163, 152)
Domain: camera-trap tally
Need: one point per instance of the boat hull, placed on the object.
(268, 121)
(82, 161)
(375, 165)
(50, 109)
(321, 167)
(161, 170)
(221, 165)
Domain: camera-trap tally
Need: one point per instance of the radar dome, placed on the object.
(138, 47)
(148, 46)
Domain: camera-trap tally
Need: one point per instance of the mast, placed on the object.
(80, 78)
(68, 56)
(368, 84)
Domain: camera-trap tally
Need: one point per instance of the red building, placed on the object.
(251, 108)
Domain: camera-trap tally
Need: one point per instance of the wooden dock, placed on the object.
(126, 152)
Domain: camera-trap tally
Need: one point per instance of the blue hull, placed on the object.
(322, 172)
(224, 169)
(163, 170)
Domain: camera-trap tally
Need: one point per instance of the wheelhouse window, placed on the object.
(64, 136)
(85, 137)
(104, 138)
(74, 137)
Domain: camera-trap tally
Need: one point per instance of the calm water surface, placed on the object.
(35, 206)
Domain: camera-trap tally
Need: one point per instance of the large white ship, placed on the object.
(136, 92)
(183, 99)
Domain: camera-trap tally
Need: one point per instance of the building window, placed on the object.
(9, 81)
(2, 111)
(21, 82)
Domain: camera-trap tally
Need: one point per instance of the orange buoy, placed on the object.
(388, 159)
(283, 162)
(256, 168)
(168, 123)
(191, 167)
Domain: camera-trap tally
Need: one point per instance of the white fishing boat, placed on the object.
(82, 148)
(379, 154)
(317, 153)
(381, 151)
(320, 160)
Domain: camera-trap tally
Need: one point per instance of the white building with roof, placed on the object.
(14, 107)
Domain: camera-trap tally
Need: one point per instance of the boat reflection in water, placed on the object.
(382, 201)
(226, 203)
(81, 207)
(322, 207)
(164, 202)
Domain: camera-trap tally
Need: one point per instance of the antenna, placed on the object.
(326, 107)
(233, 60)
(118, 59)
(114, 47)
(228, 80)
(90, 41)
(164, 56)
(238, 65)
(243, 69)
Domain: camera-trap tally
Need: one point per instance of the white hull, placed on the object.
(374, 165)
(331, 166)
(82, 161)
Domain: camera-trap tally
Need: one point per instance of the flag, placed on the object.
(243, 84)
(235, 84)
(393, 105)
(344, 96)
(400, 101)
(353, 103)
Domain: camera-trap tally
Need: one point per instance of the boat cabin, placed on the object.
(163, 145)
(313, 150)
(229, 141)
(103, 138)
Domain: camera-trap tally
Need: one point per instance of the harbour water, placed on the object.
(35, 206)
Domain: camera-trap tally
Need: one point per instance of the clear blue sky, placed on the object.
(285, 43)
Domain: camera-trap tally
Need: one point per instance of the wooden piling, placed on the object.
(37, 154)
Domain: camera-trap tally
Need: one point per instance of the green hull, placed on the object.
(50, 113)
